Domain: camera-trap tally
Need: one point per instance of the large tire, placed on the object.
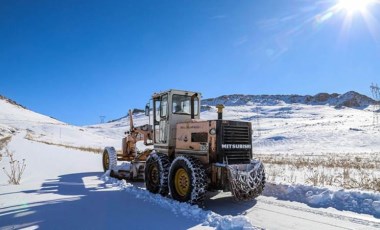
(257, 185)
(187, 180)
(156, 173)
(109, 158)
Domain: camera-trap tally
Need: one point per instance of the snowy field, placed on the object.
(317, 159)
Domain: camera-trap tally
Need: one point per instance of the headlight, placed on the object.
(213, 131)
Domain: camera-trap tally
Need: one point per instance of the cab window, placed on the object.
(182, 105)
(164, 106)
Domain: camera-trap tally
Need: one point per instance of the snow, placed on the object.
(375, 206)
(62, 187)
(356, 201)
(193, 212)
(45, 129)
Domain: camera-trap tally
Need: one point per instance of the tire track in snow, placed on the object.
(298, 217)
(321, 213)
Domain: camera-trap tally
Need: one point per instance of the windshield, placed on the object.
(182, 104)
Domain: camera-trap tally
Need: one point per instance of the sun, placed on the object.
(353, 6)
(351, 10)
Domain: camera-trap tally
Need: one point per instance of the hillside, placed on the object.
(10, 101)
(15, 118)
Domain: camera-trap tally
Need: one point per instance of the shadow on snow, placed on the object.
(88, 208)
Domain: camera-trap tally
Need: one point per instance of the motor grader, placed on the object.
(190, 156)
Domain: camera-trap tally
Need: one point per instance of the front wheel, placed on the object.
(109, 158)
(187, 180)
(156, 173)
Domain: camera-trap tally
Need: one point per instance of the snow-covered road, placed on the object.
(62, 189)
(271, 213)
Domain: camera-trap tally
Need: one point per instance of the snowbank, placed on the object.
(356, 201)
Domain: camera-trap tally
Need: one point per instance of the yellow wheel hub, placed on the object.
(154, 174)
(106, 161)
(182, 182)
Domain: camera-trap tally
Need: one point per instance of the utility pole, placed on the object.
(375, 90)
(258, 121)
(102, 118)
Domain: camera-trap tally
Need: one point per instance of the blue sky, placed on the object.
(77, 59)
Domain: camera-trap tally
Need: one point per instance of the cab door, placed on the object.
(161, 114)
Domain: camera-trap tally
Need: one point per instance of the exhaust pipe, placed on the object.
(220, 108)
(192, 104)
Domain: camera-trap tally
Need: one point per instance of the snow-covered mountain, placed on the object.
(14, 116)
(40, 128)
(350, 99)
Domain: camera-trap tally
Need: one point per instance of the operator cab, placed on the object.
(169, 108)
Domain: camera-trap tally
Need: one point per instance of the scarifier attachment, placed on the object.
(246, 181)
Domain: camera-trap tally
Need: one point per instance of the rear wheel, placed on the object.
(109, 158)
(156, 173)
(187, 180)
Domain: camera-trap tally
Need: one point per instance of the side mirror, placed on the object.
(147, 109)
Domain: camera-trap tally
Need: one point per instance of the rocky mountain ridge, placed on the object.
(11, 101)
(350, 99)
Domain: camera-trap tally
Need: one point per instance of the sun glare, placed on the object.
(352, 6)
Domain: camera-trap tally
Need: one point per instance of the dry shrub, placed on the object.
(345, 171)
(313, 178)
(273, 173)
(326, 160)
(376, 184)
(317, 177)
(17, 168)
(4, 141)
(293, 177)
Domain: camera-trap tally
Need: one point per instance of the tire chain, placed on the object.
(112, 157)
(199, 192)
(198, 178)
(164, 164)
(247, 185)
